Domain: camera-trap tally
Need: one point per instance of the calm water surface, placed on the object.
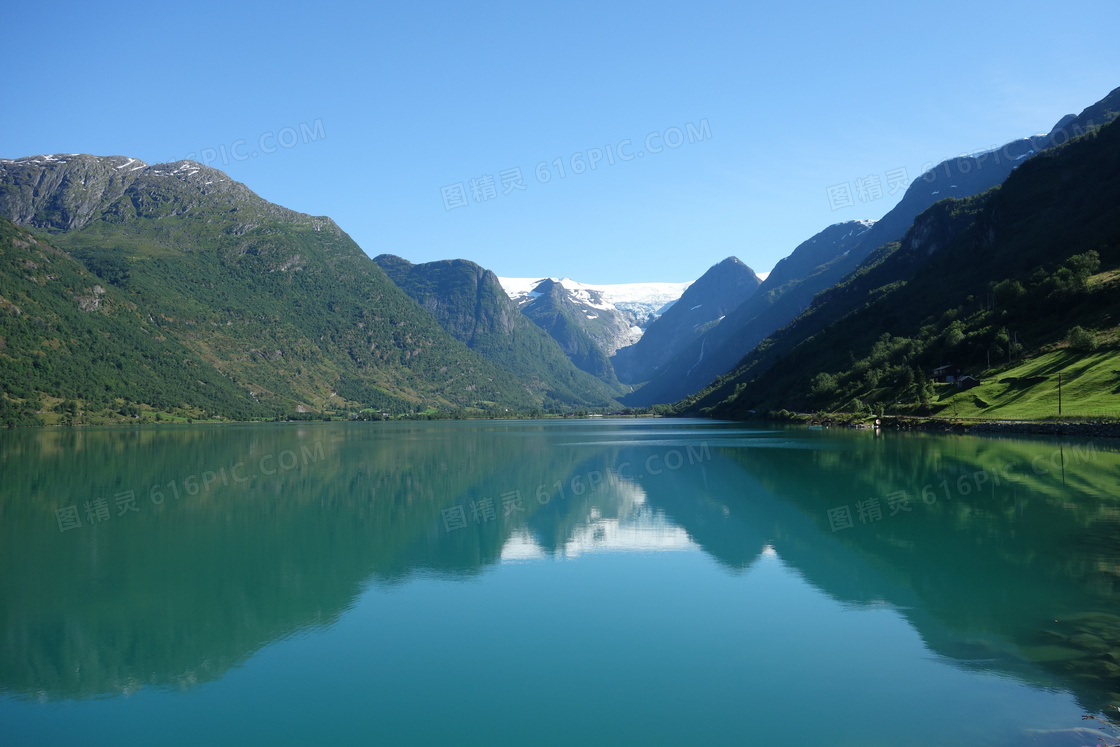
(580, 582)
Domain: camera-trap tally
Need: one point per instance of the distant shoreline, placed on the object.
(1080, 428)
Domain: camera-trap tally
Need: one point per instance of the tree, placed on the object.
(1002, 342)
(1082, 267)
(1008, 293)
(824, 384)
(923, 389)
(954, 334)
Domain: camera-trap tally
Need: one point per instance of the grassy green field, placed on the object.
(1028, 390)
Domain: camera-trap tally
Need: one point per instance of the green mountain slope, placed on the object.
(978, 284)
(469, 302)
(284, 306)
(66, 334)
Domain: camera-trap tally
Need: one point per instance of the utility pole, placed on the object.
(1059, 394)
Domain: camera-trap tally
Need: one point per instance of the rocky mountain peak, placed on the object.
(68, 191)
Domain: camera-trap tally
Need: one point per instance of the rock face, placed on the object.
(465, 298)
(68, 192)
(608, 327)
(703, 305)
(40, 193)
(469, 302)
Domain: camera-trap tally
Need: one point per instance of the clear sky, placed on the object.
(376, 113)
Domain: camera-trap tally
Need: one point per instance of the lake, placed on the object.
(572, 582)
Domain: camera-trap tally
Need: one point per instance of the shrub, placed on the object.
(1082, 340)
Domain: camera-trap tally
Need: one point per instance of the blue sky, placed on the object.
(367, 112)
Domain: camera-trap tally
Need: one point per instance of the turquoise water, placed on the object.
(598, 582)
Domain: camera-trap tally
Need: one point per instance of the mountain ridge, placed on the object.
(782, 298)
(715, 347)
(1036, 242)
(721, 289)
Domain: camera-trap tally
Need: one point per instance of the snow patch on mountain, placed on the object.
(627, 309)
(640, 299)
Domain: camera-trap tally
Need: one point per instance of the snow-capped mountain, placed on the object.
(637, 303)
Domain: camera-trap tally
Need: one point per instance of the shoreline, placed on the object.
(1081, 428)
(1032, 427)
(1086, 429)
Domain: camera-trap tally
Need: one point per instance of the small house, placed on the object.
(967, 382)
(946, 374)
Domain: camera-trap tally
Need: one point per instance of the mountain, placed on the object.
(585, 328)
(784, 295)
(640, 303)
(718, 291)
(720, 347)
(269, 310)
(591, 322)
(469, 302)
(992, 279)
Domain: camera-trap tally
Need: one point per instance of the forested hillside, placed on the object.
(277, 311)
(1025, 272)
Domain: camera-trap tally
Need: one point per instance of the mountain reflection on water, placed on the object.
(1003, 554)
